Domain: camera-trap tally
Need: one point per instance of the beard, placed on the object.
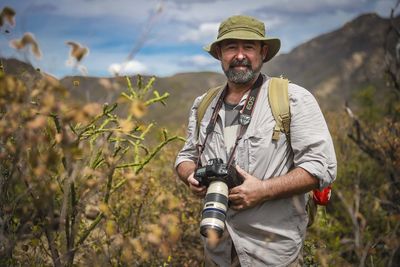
(241, 76)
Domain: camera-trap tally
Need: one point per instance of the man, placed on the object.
(266, 220)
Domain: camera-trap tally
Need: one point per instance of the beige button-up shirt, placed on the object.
(272, 233)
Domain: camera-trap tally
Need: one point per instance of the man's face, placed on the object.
(241, 60)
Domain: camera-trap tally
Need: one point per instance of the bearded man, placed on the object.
(266, 219)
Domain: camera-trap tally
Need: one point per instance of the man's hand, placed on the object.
(248, 194)
(185, 171)
(195, 187)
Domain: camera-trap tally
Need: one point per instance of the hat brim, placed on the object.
(274, 44)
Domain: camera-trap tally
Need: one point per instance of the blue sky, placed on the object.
(167, 35)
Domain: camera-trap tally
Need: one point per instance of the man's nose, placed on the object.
(240, 55)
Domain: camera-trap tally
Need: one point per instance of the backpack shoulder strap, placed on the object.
(279, 101)
(204, 103)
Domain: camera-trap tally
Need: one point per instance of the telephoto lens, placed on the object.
(214, 209)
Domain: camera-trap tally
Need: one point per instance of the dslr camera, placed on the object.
(218, 178)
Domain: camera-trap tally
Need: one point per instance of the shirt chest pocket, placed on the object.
(258, 148)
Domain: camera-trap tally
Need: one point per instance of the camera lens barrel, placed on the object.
(214, 209)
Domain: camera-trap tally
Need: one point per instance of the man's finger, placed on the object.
(192, 180)
(234, 197)
(236, 207)
(235, 190)
(242, 172)
(197, 188)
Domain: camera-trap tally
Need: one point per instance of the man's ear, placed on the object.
(264, 51)
(218, 50)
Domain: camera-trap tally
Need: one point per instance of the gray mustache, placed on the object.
(243, 62)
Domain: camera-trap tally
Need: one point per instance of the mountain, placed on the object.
(333, 66)
(24, 71)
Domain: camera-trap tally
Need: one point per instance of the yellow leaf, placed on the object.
(91, 183)
(104, 208)
(38, 122)
(35, 92)
(111, 228)
(126, 125)
(174, 233)
(127, 254)
(58, 138)
(173, 203)
(49, 100)
(53, 187)
(164, 247)
(118, 240)
(27, 40)
(138, 109)
(78, 51)
(39, 170)
(161, 197)
(154, 239)
(137, 245)
(92, 109)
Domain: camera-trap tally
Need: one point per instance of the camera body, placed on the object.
(218, 178)
(217, 170)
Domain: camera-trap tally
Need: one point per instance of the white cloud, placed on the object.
(167, 64)
(199, 61)
(127, 68)
(205, 31)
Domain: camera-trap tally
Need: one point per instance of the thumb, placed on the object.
(192, 180)
(242, 172)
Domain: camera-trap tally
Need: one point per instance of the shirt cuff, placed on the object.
(180, 160)
(319, 171)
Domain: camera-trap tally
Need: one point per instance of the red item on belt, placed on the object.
(322, 197)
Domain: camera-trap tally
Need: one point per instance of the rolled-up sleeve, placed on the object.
(310, 138)
(189, 151)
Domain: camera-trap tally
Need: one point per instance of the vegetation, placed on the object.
(362, 224)
(72, 180)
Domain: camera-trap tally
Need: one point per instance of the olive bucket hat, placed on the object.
(244, 28)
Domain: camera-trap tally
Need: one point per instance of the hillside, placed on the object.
(182, 88)
(335, 65)
(22, 70)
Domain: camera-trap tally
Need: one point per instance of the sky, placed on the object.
(161, 37)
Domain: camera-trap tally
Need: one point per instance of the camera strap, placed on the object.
(211, 125)
(244, 117)
(246, 113)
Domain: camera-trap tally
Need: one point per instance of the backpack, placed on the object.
(278, 99)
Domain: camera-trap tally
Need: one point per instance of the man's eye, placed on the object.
(249, 47)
